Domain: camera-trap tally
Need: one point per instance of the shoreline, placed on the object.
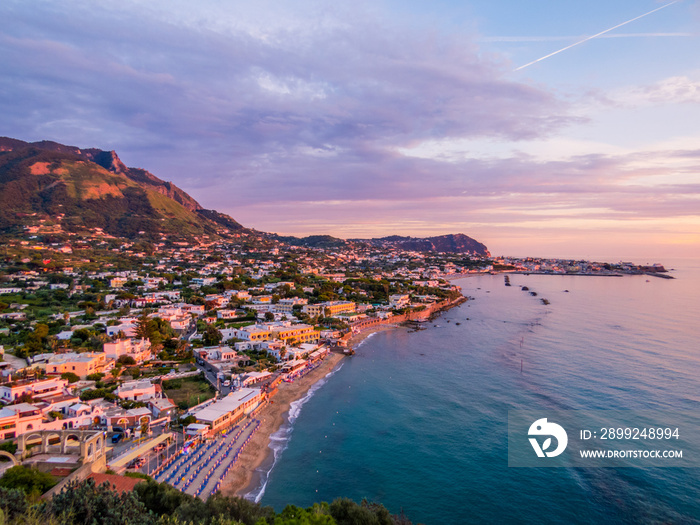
(257, 457)
(357, 339)
(245, 476)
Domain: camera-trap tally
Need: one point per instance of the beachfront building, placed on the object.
(399, 301)
(229, 410)
(329, 308)
(80, 364)
(298, 333)
(318, 355)
(293, 367)
(254, 377)
(303, 351)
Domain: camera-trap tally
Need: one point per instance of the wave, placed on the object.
(279, 440)
(366, 339)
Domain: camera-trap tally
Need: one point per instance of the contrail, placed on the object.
(596, 35)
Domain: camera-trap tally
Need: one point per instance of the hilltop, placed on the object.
(451, 243)
(64, 190)
(87, 189)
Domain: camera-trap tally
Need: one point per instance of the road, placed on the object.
(210, 374)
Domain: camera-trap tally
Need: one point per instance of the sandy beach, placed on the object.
(272, 416)
(356, 339)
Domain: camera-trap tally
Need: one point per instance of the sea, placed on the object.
(418, 420)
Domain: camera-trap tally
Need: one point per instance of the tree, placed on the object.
(31, 481)
(85, 502)
(13, 503)
(36, 340)
(126, 360)
(8, 446)
(70, 376)
(347, 512)
(188, 420)
(143, 328)
(316, 515)
(269, 316)
(159, 498)
(211, 336)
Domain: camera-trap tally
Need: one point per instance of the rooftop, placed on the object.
(228, 404)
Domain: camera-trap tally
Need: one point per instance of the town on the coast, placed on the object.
(158, 357)
(143, 335)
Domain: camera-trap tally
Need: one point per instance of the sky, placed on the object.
(370, 118)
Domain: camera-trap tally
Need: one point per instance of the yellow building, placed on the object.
(79, 364)
(329, 309)
(299, 333)
(254, 333)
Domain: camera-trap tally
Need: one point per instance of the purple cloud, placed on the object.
(227, 103)
(267, 121)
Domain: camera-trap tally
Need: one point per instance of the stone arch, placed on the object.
(8, 455)
(78, 442)
(33, 436)
(30, 427)
(71, 442)
(52, 439)
(30, 440)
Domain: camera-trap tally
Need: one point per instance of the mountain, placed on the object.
(91, 188)
(66, 189)
(312, 241)
(452, 243)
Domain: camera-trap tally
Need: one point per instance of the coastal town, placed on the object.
(166, 359)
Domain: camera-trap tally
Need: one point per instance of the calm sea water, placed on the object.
(418, 421)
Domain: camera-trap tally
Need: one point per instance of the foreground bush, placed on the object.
(151, 503)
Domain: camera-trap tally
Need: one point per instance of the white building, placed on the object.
(138, 390)
(139, 349)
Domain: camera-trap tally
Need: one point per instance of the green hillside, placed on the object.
(46, 182)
